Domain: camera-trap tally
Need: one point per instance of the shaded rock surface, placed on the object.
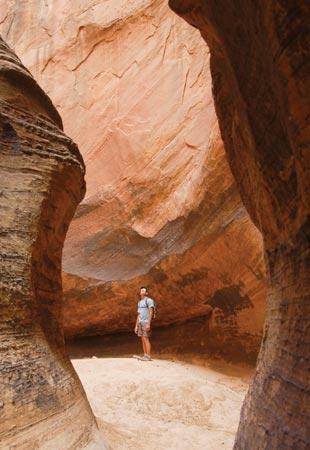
(260, 71)
(132, 83)
(197, 336)
(42, 404)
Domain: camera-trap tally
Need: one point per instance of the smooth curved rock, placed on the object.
(259, 70)
(43, 404)
(133, 85)
(208, 259)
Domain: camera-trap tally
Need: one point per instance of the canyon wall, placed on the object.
(260, 71)
(43, 404)
(133, 85)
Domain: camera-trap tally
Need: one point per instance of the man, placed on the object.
(143, 323)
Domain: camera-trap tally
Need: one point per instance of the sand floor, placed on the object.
(164, 404)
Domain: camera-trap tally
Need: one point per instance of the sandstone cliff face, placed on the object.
(260, 85)
(43, 404)
(132, 83)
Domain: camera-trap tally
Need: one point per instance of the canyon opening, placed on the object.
(162, 145)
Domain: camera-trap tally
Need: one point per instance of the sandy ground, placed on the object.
(164, 404)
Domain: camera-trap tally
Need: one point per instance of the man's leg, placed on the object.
(147, 346)
(143, 344)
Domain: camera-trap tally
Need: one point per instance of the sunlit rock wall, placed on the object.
(132, 83)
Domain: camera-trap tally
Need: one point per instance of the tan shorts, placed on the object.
(142, 331)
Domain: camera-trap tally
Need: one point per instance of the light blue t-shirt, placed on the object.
(143, 308)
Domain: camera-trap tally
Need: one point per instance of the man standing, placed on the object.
(146, 308)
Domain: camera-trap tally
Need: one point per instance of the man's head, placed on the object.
(143, 291)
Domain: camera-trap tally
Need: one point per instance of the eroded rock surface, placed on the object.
(259, 58)
(42, 403)
(132, 83)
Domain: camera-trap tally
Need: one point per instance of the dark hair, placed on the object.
(144, 287)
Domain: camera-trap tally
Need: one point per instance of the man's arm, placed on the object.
(136, 326)
(151, 312)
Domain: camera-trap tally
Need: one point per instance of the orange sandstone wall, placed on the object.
(259, 56)
(132, 83)
(43, 404)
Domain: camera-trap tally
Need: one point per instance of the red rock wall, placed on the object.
(259, 56)
(43, 404)
(132, 83)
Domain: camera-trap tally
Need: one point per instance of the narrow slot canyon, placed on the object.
(154, 144)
